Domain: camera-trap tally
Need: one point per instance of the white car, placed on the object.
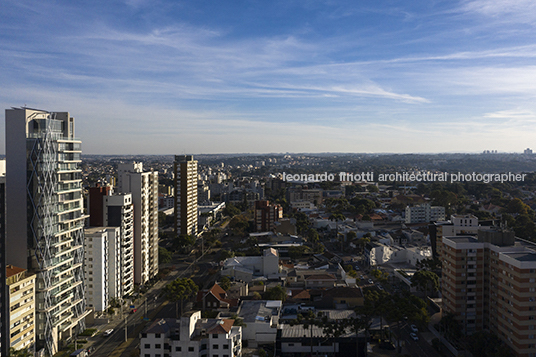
(414, 336)
(414, 328)
(108, 332)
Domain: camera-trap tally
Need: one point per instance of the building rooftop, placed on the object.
(13, 270)
(258, 310)
(162, 326)
(527, 256)
(462, 239)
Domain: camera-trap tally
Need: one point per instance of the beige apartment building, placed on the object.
(21, 286)
(143, 185)
(185, 174)
(489, 283)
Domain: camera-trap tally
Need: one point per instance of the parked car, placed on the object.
(414, 328)
(108, 332)
(370, 281)
(414, 336)
(133, 311)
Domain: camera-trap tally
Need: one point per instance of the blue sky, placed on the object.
(174, 77)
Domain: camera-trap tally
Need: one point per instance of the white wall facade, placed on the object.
(144, 189)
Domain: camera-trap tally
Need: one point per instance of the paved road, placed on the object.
(115, 345)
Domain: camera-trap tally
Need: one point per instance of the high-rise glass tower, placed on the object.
(45, 218)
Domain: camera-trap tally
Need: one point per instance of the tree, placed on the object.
(296, 252)
(517, 206)
(179, 290)
(432, 264)
(20, 353)
(487, 344)
(184, 241)
(312, 234)
(373, 188)
(425, 281)
(318, 248)
(450, 327)
(239, 224)
(225, 283)
(380, 275)
(276, 293)
(225, 254)
(231, 210)
(362, 242)
(337, 217)
(350, 236)
(164, 256)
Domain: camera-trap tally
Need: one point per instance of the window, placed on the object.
(157, 335)
(190, 349)
(177, 349)
(214, 335)
(147, 345)
(158, 345)
(215, 347)
(225, 347)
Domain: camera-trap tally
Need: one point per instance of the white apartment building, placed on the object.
(185, 173)
(21, 295)
(424, 213)
(96, 268)
(144, 189)
(191, 336)
(119, 212)
(45, 220)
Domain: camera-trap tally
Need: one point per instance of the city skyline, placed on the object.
(201, 77)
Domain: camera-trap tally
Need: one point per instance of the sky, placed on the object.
(271, 76)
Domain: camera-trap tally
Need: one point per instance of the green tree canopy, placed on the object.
(276, 293)
(425, 281)
(164, 256)
(225, 283)
(179, 290)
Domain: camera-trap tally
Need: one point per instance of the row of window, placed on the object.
(179, 349)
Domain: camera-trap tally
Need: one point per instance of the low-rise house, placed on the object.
(262, 320)
(343, 297)
(248, 268)
(313, 340)
(215, 298)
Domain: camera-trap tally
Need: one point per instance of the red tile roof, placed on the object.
(223, 327)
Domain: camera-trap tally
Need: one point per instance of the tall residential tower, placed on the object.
(144, 189)
(45, 219)
(185, 173)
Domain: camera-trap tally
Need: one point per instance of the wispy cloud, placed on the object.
(504, 10)
(313, 76)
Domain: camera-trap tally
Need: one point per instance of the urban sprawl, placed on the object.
(262, 254)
